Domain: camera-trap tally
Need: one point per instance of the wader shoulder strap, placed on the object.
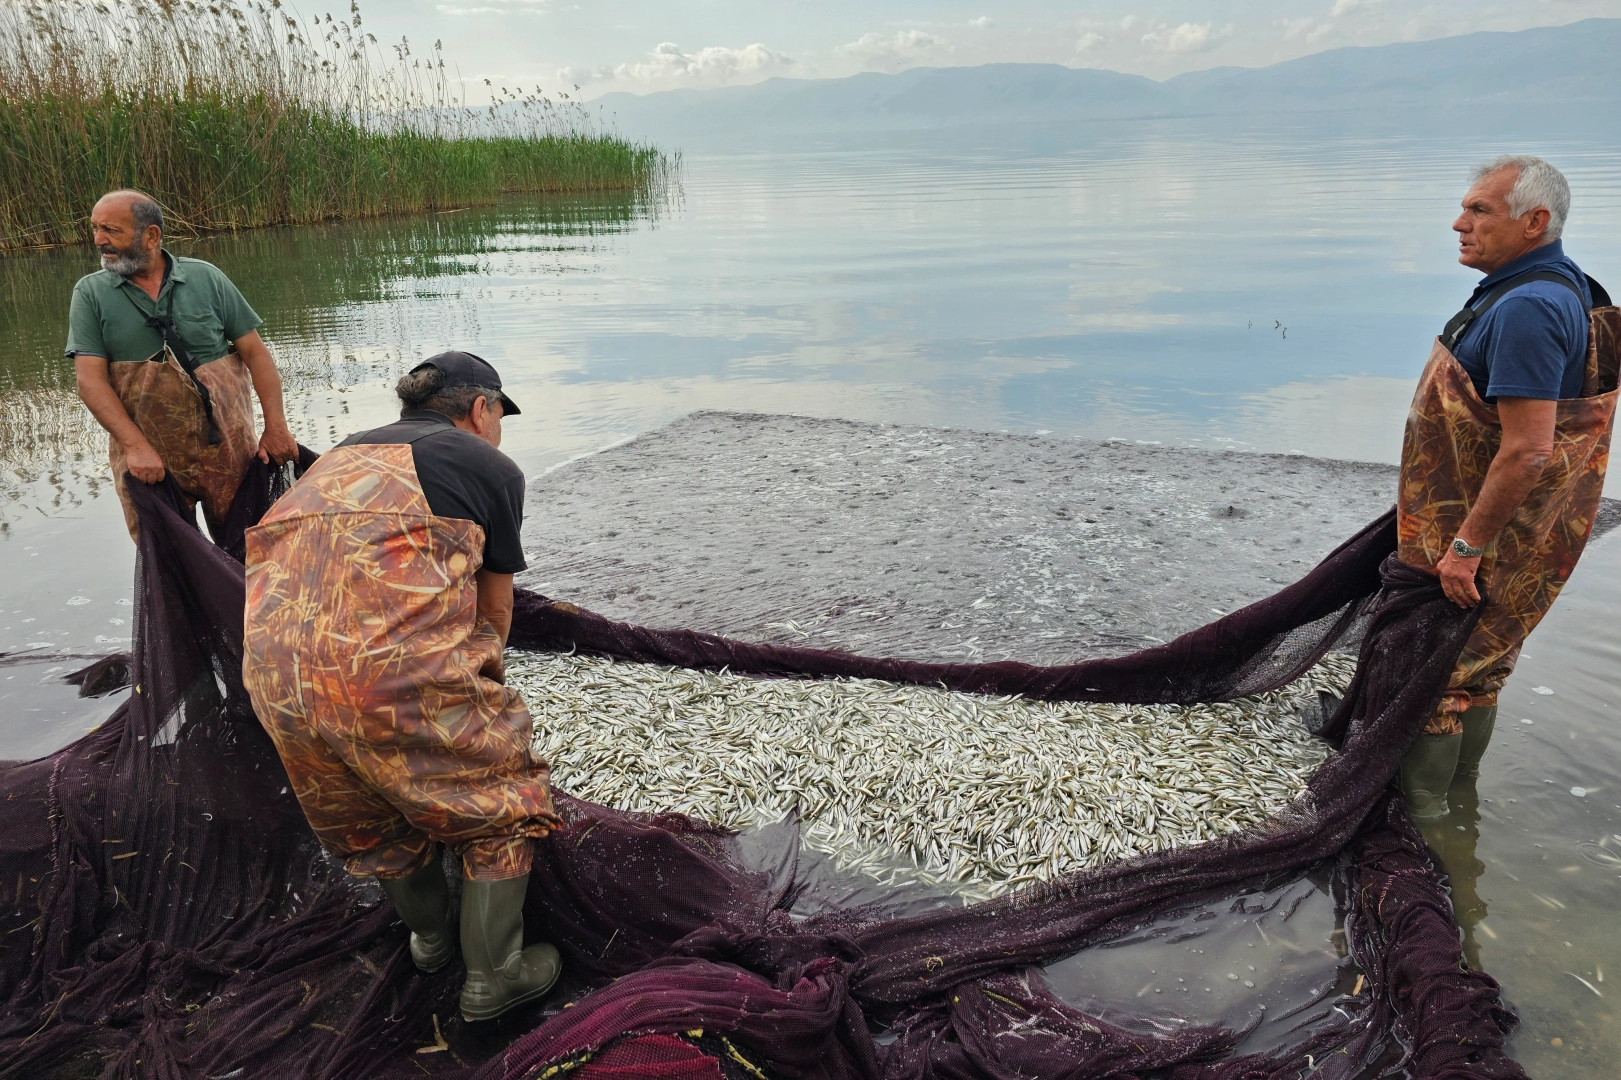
(1460, 323)
(429, 427)
(164, 325)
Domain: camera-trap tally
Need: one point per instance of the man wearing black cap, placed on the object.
(379, 597)
(464, 477)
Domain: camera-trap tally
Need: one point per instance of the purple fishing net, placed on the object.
(168, 914)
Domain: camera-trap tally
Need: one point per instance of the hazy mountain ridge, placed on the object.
(1573, 66)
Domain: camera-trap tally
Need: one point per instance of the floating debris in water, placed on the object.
(1543, 690)
(1579, 792)
(983, 794)
(1526, 720)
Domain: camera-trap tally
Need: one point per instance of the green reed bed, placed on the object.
(236, 115)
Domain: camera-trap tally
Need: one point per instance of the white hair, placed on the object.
(1539, 186)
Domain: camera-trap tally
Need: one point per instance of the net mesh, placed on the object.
(168, 913)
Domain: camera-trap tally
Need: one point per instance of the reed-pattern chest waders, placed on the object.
(198, 417)
(1451, 438)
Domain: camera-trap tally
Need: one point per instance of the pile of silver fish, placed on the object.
(909, 783)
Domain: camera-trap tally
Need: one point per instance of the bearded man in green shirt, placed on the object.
(165, 349)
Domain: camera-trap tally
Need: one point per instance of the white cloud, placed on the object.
(670, 65)
(1090, 40)
(981, 23)
(1186, 38)
(903, 48)
(1314, 31)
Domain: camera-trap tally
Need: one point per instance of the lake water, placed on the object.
(1245, 288)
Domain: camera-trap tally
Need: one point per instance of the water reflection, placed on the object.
(308, 283)
(1215, 286)
(39, 714)
(53, 454)
(1271, 963)
(343, 305)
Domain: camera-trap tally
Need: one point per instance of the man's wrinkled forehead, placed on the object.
(114, 210)
(1494, 186)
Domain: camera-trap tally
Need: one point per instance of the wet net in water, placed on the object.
(170, 915)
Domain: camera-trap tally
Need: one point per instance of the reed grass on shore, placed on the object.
(237, 115)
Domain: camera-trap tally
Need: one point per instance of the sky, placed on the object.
(641, 46)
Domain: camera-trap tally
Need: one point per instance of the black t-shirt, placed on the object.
(462, 476)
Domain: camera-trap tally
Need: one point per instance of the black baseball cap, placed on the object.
(465, 369)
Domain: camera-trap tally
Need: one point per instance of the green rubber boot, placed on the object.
(1426, 773)
(1478, 722)
(423, 901)
(501, 973)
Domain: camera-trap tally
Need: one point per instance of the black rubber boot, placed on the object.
(423, 901)
(1426, 773)
(1478, 722)
(501, 973)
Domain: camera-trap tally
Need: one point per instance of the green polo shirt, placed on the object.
(108, 315)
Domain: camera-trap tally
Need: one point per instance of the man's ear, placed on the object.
(1537, 222)
(479, 414)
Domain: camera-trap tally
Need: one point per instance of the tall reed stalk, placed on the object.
(237, 114)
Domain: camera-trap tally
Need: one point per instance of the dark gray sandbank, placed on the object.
(933, 544)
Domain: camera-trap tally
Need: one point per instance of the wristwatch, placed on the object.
(1461, 548)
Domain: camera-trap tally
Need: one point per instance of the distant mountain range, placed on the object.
(1575, 67)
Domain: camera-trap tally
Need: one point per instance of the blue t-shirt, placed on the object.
(1533, 342)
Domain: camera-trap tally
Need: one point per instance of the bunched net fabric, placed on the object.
(168, 913)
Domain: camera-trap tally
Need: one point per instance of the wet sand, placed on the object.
(931, 543)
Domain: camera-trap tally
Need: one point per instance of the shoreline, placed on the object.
(186, 232)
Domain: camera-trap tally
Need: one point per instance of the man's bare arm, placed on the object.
(96, 391)
(495, 605)
(277, 443)
(1528, 426)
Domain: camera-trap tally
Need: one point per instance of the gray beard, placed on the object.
(126, 263)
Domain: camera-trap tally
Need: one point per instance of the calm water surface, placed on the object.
(1244, 289)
